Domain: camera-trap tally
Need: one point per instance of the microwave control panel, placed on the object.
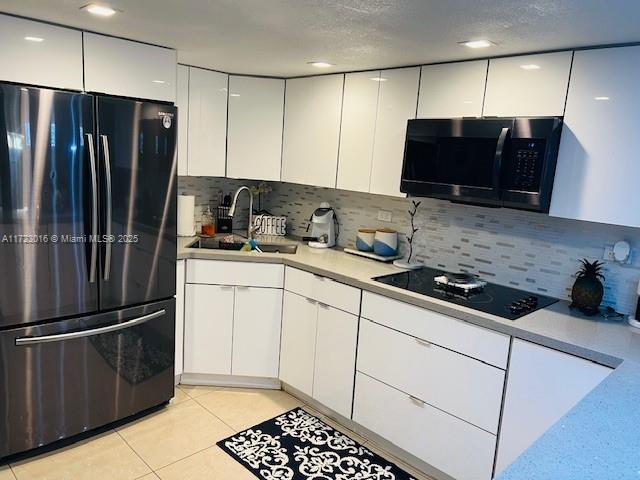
(523, 171)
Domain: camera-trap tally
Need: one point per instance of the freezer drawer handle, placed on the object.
(107, 172)
(89, 333)
(94, 210)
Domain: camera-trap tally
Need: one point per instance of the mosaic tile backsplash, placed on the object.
(530, 251)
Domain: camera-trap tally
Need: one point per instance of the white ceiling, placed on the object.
(278, 37)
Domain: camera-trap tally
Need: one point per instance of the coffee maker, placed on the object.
(323, 227)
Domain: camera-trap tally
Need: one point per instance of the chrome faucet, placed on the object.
(251, 229)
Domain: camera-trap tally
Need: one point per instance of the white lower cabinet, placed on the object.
(208, 329)
(543, 385)
(318, 353)
(180, 274)
(335, 359)
(256, 331)
(232, 317)
(457, 384)
(447, 443)
(297, 354)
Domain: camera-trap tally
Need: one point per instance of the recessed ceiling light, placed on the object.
(378, 79)
(467, 102)
(530, 66)
(477, 43)
(320, 64)
(602, 99)
(234, 94)
(34, 39)
(162, 82)
(100, 10)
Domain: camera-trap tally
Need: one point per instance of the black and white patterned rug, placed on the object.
(298, 446)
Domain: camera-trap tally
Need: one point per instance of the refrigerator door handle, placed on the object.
(25, 341)
(94, 210)
(107, 171)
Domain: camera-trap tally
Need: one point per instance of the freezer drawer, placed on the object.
(63, 378)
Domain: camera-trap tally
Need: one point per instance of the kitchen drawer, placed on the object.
(219, 272)
(457, 384)
(449, 444)
(477, 342)
(323, 289)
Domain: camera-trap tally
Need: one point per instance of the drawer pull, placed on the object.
(324, 305)
(417, 401)
(319, 277)
(424, 343)
(312, 301)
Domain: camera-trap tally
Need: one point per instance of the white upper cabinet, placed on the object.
(397, 101)
(528, 85)
(452, 90)
(312, 130)
(598, 167)
(359, 110)
(40, 54)
(207, 136)
(131, 69)
(254, 146)
(182, 101)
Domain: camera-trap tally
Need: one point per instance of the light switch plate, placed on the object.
(385, 215)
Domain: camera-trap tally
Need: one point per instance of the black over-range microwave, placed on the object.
(500, 162)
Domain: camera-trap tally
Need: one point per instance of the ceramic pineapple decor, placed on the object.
(588, 289)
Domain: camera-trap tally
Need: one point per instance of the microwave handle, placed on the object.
(499, 156)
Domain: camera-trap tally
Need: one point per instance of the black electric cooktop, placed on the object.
(505, 302)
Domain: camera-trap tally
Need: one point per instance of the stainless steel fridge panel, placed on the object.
(68, 377)
(46, 193)
(138, 201)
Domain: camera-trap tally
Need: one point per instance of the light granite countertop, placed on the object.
(597, 439)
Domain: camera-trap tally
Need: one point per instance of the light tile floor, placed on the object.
(175, 443)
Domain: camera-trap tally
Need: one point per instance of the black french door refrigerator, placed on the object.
(87, 262)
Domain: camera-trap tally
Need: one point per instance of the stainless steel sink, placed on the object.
(278, 247)
(215, 243)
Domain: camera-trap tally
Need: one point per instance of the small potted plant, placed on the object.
(588, 290)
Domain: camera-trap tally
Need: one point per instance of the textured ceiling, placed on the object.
(278, 37)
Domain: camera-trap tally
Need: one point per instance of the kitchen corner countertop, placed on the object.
(597, 439)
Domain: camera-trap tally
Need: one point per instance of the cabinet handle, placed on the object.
(417, 401)
(319, 277)
(323, 305)
(242, 287)
(424, 343)
(311, 301)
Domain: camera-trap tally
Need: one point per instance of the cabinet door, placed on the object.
(254, 140)
(312, 130)
(208, 329)
(452, 90)
(542, 386)
(335, 361)
(180, 277)
(256, 332)
(40, 54)
(207, 136)
(397, 101)
(528, 86)
(598, 166)
(297, 352)
(182, 101)
(130, 69)
(359, 110)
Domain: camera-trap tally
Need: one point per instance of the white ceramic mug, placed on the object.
(385, 242)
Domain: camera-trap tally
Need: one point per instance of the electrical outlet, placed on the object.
(385, 215)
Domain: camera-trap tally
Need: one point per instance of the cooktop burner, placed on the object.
(505, 302)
